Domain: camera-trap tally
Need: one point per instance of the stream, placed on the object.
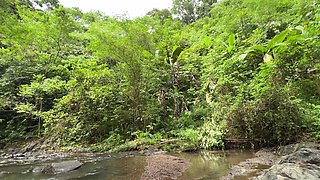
(126, 166)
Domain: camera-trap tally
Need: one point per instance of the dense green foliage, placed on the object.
(189, 11)
(241, 69)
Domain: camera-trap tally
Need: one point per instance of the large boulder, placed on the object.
(291, 148)
(59, 167)
(303, 155)
(287, 171)
(302, 163)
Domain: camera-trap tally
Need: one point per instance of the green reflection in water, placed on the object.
(205, 165)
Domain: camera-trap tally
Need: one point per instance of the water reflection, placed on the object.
(212, 164)
(205, 165)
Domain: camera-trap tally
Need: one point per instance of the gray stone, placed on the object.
(2, 173)
(304, 155)
(66, 166)
(291, 148)
(288, 171)
(19, 155)
(152, 152)
(303, 162)
(59, 167)
(38, 169)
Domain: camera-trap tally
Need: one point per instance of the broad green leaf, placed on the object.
(257, 48)
(277, 39)
(175, 54)
(174, 48)
(207, 41)
(231, 42)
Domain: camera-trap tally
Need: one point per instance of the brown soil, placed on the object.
(161, 167)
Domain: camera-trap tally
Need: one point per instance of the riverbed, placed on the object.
(126, 166)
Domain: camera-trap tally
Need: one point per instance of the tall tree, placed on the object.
(160, 14)
(189, 11)
(127, 43)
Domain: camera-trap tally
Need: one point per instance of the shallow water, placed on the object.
(205, 165)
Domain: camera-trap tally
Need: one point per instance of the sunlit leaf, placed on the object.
(277, 39)
(231, 42)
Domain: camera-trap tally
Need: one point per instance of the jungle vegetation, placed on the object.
(195, 75)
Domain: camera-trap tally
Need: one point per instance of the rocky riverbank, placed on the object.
(298, 161)
(295, 161)
(264, 159)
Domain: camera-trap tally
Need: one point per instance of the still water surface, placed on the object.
(205, 165)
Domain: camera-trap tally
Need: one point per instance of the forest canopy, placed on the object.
(195, 75)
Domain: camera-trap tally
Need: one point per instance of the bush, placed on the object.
(272, 119)
(212, 135)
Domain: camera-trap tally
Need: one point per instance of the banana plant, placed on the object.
(268, 50)
(173, 57)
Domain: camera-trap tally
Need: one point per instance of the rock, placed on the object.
(42, 156)
(5, 161)
(28, 147)
(304, 155)
(49, 170)
(19, 155)
(2, 173)
(152, 152)
(8, 156)
(57, 168)
(129, 154)
(44, 146)
(289, 171)
(291, 148)
(83, 150)
(38, 169)
(263, 159)
(302, 163)
(32, 159)
(66, 166)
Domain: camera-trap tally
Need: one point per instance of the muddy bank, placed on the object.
(164, 167)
